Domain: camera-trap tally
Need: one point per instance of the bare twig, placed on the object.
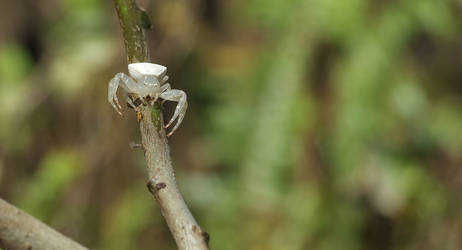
(162, 184)
(19, 230)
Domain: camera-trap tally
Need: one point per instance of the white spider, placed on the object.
(148, 82)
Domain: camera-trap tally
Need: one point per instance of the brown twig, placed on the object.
(19, 230)
(162, 184)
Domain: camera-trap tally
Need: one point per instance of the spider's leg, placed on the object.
(130, 103)
(112, 93)
(164, 88)
(124, 81)
(180, 110)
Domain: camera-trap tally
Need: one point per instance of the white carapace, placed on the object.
(148, 81)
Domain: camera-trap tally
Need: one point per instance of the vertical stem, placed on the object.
(162, 184)
(134, 22)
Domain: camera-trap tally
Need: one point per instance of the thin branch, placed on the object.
(184, 228)
(19, 230)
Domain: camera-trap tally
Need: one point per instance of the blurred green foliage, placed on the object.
(312, 124)
(56, 173)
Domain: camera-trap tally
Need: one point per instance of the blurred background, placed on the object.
(312, 124)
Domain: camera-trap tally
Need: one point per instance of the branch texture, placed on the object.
(19, 230)
(184, 228)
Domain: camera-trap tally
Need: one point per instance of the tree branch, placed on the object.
(184, 228)
(19, 230)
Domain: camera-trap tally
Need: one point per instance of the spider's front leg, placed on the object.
(124, 81)
(180, 110)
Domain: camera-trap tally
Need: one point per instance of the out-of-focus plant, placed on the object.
(129, 217)
(55, 174)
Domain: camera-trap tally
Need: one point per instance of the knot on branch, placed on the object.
(202, 234)
(154, 187)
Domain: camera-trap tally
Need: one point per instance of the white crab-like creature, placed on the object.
(148, 82)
